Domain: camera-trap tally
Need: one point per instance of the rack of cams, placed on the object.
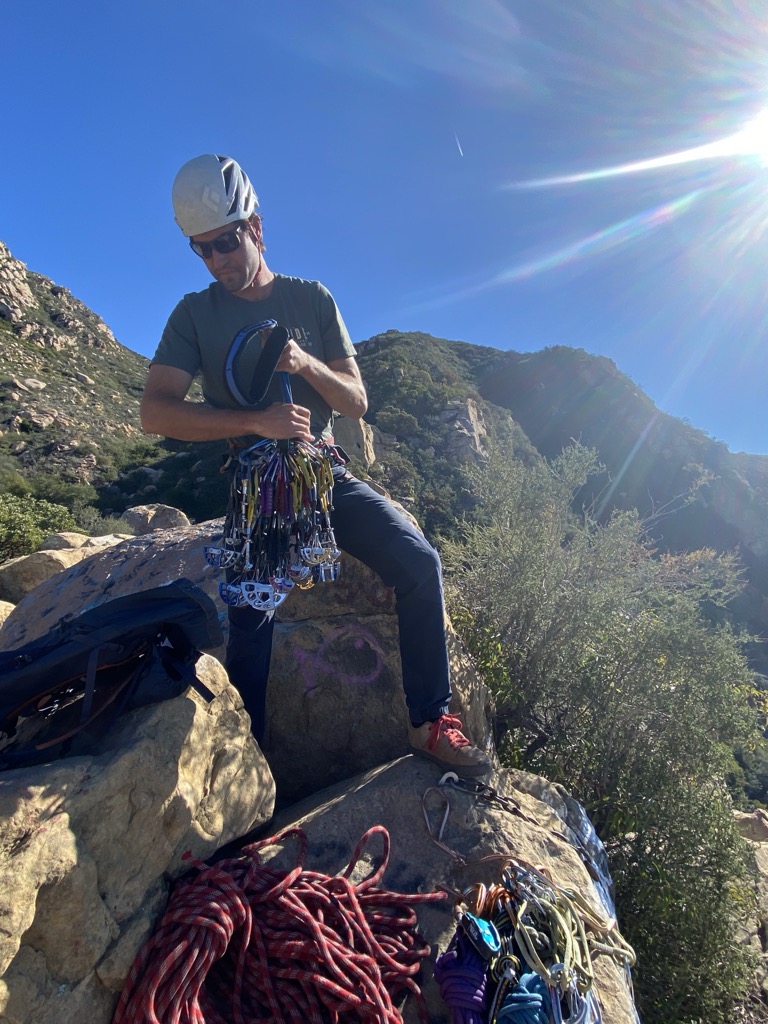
(277, 533)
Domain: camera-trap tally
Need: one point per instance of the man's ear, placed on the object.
(254, 227)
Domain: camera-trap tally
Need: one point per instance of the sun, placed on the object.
(752, 139)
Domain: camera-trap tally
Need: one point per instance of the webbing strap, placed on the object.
(90, 680)
(265, 365)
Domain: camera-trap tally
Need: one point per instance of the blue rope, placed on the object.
(527, 1002)
(462, 975)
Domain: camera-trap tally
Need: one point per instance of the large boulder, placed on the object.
(20, 576)
(441, 839)
(335, 702)
(89, 844)
(441, 836)
(147, 518)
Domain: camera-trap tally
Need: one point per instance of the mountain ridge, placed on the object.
(69, 427)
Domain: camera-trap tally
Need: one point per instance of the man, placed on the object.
(215, 207)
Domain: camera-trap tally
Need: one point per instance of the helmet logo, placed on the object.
(210, 199)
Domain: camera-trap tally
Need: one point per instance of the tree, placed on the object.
(611, 679)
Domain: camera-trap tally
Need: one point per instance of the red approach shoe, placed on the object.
(444, 742)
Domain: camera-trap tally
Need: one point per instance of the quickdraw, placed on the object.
(277, 530)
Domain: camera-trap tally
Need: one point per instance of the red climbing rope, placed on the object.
(242, 941)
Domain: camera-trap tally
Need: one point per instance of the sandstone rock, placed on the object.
(64, 540)
(5, 610)
(753, 826)
(147, 518)
(356, 438)
(335, 668)
(469, 435)
(402, 796)
(88, 845)
(14, 289)
(20, 576)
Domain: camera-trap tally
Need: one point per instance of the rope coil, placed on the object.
(554, 932)
(242, 941)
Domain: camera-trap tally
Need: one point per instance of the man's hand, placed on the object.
(293, 358)
(165, 410)
(282, 420)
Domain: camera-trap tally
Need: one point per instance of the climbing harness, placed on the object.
(244, 941)
(277, 530)
(526, 944)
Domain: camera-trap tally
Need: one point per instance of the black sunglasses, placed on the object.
(227, 242)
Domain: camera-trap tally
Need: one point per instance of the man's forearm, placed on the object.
(342, 391)
(194, 421)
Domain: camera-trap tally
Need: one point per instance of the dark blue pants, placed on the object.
(369, 528)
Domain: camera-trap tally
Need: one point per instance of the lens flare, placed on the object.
(749, 141)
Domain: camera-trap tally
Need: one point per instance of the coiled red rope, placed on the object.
(242, 942)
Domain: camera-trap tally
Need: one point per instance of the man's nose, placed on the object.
(218, 258)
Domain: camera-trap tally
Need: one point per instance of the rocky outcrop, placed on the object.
(539, 825)
(356, 438)
(468, 437)
(20, 576)
(754, 933)
(88, 846)
(335, 671)
(14, 289)
(90, 843)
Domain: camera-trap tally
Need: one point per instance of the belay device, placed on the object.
(277, 531)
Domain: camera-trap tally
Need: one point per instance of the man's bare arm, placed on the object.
(339, 381)
(166, 410)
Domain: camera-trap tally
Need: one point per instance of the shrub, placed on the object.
(25, 522)
(611, 679)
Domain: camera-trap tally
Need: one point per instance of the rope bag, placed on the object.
(277, 530)
(242, 941)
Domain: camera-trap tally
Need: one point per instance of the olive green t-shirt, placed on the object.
(202, 327)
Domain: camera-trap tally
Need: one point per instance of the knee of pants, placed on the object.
(419, 565)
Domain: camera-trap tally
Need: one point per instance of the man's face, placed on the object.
(234, 270)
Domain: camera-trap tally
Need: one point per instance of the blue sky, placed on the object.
(517, 174)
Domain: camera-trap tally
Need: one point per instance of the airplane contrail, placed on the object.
(458, 144)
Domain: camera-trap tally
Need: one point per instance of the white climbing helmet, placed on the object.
(211, 191)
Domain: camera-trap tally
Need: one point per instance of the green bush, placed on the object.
(25, 522)
(610, 679)
(92, 522)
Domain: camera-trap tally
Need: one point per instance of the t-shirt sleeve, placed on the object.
(179, 345)
(336, 340)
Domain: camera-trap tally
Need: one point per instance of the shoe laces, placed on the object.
(450, 727)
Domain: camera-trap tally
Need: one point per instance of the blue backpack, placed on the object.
(88, 669)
